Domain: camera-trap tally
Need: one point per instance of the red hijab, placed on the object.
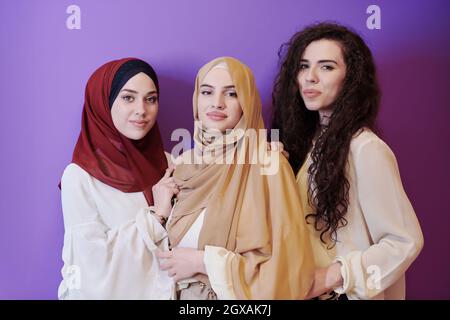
(125, 164)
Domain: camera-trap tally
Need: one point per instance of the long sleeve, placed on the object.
(391, 222)
(101, 262)
(217, 261)
(218, 267)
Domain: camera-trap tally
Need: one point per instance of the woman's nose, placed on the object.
(311, 75)
(140, 107)
(219, 102)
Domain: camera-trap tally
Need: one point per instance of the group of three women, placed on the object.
(138, 226)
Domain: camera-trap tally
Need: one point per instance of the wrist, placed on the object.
(163, 212)
(162, 219)
(201, 264)
(334, 277)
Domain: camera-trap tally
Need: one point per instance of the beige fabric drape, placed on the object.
(257, 216)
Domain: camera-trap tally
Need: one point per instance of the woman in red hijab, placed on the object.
(112, 219)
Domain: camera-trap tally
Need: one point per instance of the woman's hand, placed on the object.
(163, 192)
(182, 263)
(277, 146)
(325, 280)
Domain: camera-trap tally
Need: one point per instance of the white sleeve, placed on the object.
(169, 159)
(108, 263)
(218, 268)
(391, 222)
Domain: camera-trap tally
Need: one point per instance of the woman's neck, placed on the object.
(324, 116)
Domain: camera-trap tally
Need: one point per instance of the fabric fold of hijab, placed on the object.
(257, 216)
(101, 150)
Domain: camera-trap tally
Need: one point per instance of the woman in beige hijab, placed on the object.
(237, 228)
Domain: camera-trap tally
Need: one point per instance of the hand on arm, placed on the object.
(325, 280)
(277, 146)
(182, 263)
(163, 192)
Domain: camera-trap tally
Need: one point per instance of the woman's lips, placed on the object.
(139, 123)
(311, 93)
(216, 116)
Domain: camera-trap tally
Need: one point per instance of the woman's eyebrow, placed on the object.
(321, 61)
(135, 92)
(129, 90)
(327, 61)
(231, 86)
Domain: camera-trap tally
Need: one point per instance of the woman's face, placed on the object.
(135, 109)
(218, 105)
(321, 76)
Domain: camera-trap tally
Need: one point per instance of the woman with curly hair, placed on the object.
(364, 231)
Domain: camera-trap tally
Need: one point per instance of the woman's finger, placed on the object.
(171, 185)
(168, 172)
(164, 266)
(164, 254)
(274, 146)
(169, 180)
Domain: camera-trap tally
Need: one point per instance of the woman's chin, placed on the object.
(313, 107)
(213, 126)
(136, 134)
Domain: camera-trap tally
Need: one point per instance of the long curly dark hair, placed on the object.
(301, 132)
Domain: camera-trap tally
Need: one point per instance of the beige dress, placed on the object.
(383, 236)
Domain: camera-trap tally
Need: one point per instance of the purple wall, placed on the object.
(45, 66)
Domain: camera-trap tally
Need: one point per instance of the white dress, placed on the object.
(217, 262)
(111, 240)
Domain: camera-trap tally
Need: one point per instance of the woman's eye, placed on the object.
(327, 68)
(303, 66)
(128, 98)
(205, 92)
(152, 99)
(231, 94)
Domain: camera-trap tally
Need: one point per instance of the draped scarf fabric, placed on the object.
(257, 216)
(101, 150)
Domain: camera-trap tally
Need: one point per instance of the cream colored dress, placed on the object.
(110, 244)
(383, 236)
(217, 262)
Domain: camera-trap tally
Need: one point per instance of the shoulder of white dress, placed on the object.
(366, 139)
(74, 173)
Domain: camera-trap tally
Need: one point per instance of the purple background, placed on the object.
(45, 66)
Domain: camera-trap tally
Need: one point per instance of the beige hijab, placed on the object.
(256, 216)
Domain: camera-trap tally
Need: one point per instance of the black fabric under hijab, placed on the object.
(128, 70)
